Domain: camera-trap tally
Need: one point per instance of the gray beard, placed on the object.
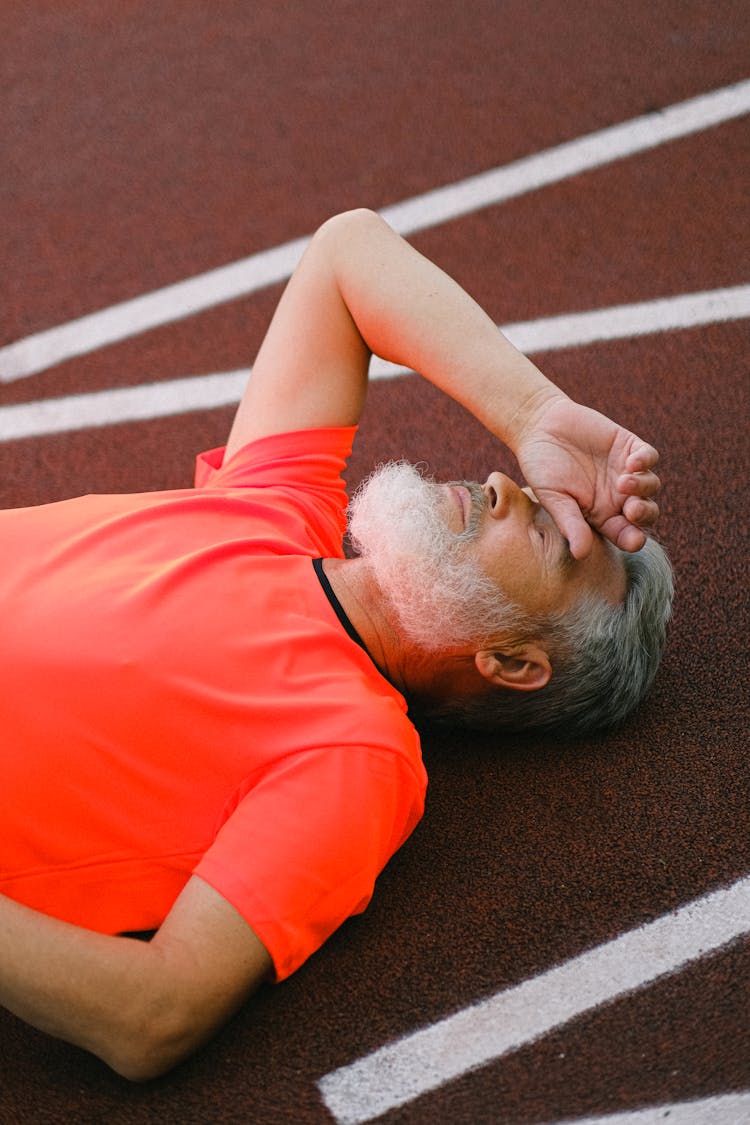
(440, 596)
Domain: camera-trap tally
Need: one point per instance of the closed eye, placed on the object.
(539, 524)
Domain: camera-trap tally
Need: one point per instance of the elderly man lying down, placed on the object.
(208, 710)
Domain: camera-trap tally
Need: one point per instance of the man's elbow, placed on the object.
(150, 1050)
(144, 1062)
(349, 223)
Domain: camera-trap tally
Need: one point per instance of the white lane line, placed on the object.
(174, 302)
(208, 392)
(723, 1109)
(428, 1058)
(123, 404)
(162, 306)
(618, 322)
(569, 159)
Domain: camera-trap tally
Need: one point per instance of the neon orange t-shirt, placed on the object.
(178, 695)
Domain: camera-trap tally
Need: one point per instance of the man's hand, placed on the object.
(586, 470)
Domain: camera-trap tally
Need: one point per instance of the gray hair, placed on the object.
(604, 658)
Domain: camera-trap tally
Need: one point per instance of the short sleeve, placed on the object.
(313, 457)
(294, 483)
(302, 850)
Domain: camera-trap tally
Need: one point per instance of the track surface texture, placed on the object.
(146, 143)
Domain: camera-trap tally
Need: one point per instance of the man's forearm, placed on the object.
(141, 1007)
(80, 986)
(410, 312)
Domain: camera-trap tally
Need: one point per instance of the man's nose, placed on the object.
(502, 495)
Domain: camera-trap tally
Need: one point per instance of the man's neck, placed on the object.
(414, 672)
(364, 605)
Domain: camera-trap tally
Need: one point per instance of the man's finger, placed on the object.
(631, 538)
(642, 458)
(645, 484)
(640, 512)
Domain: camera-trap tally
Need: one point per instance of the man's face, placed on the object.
(520, 548)
(462, 563)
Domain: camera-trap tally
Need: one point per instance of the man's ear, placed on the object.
(525, 668)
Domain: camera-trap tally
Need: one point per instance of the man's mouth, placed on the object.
(471, 502)
(463, 501)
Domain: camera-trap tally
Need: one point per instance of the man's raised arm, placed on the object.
(360, 288)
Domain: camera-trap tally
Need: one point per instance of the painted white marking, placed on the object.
(162, 306)
(208, 392)
(569, 159)
(428, 1058)
(723, 1109)
(174, 302)
(664, 314)
(123, 404)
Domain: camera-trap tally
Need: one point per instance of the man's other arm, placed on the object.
(360, 288)
(142, 1007)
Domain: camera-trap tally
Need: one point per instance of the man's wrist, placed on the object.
(519, 407)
